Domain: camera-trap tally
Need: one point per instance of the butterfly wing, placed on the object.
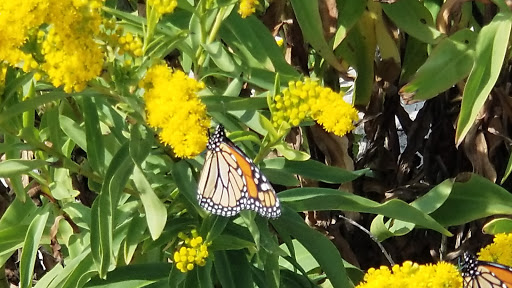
(482, 274)
(230, 182)
(220, 186)
(259, 194)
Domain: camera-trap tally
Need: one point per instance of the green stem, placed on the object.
(212, 35)
(266, 149)
(152, 20)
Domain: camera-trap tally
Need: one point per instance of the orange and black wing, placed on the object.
(230, 182)
(483, 274)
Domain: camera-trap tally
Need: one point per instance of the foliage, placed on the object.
(90, 99)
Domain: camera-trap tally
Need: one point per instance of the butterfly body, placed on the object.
(483, 274)
(231, 182)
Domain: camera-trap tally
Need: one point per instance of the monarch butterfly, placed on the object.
(483, 274)
(230, 182)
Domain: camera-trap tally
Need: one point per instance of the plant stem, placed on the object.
(212, 35)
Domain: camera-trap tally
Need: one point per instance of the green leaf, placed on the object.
(292, 154)
(428, 203)
(497, 226)
(83, 271)
(413, 18)
(491, 48)
(187, 185)
(62, 186)
(176, 277)
(94, 138)
(222, 58)
(328, 256)
(103, 209)
(16, 183)
(49, 276)
(232, 269)
(416, 53)
(134, 236)
(156, 213)
(73, 131)
(349, 13)
(228, 103)
(310, 23)
(213, 225)
(12, 85)
(55, 277)
(133, 276)
(473, 197)
(301, 256)
(12, 238)
(15, 167)
(230, 242)
(30, 246)
(251, 41)
(281, 177)
(507, 170)
(450, 62)
(314, 170)
(30, 104)
(17, 213)
(321, 199)
(361, 36)
(204, 275)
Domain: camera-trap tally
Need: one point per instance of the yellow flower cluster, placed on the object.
(309, 100)
(68, 52)
(3, 72)
(130, 43)
(172, 106)
(163, 6)
(115, 37)
(499, 251)
(72, 56)
(19, 20)
(247, 7)
(413, 275)
(191, 252)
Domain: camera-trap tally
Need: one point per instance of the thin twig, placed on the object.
(382, 249)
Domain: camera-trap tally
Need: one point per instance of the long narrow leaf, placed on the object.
(30, 246)
(322, 249)
(156, 214)
(103, 209)
(310, 23)
(95, 147)
(491, 47)
(310, 199)
(14, 167)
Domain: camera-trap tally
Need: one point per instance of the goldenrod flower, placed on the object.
(130, 43)
(247, 7)
(3, 72)
(440, 275)
(192, 251)
(72, 56)
(309, 100)
(172, 106)
(163, 6)
(19, 19)
(499, 251)
(68, 53)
